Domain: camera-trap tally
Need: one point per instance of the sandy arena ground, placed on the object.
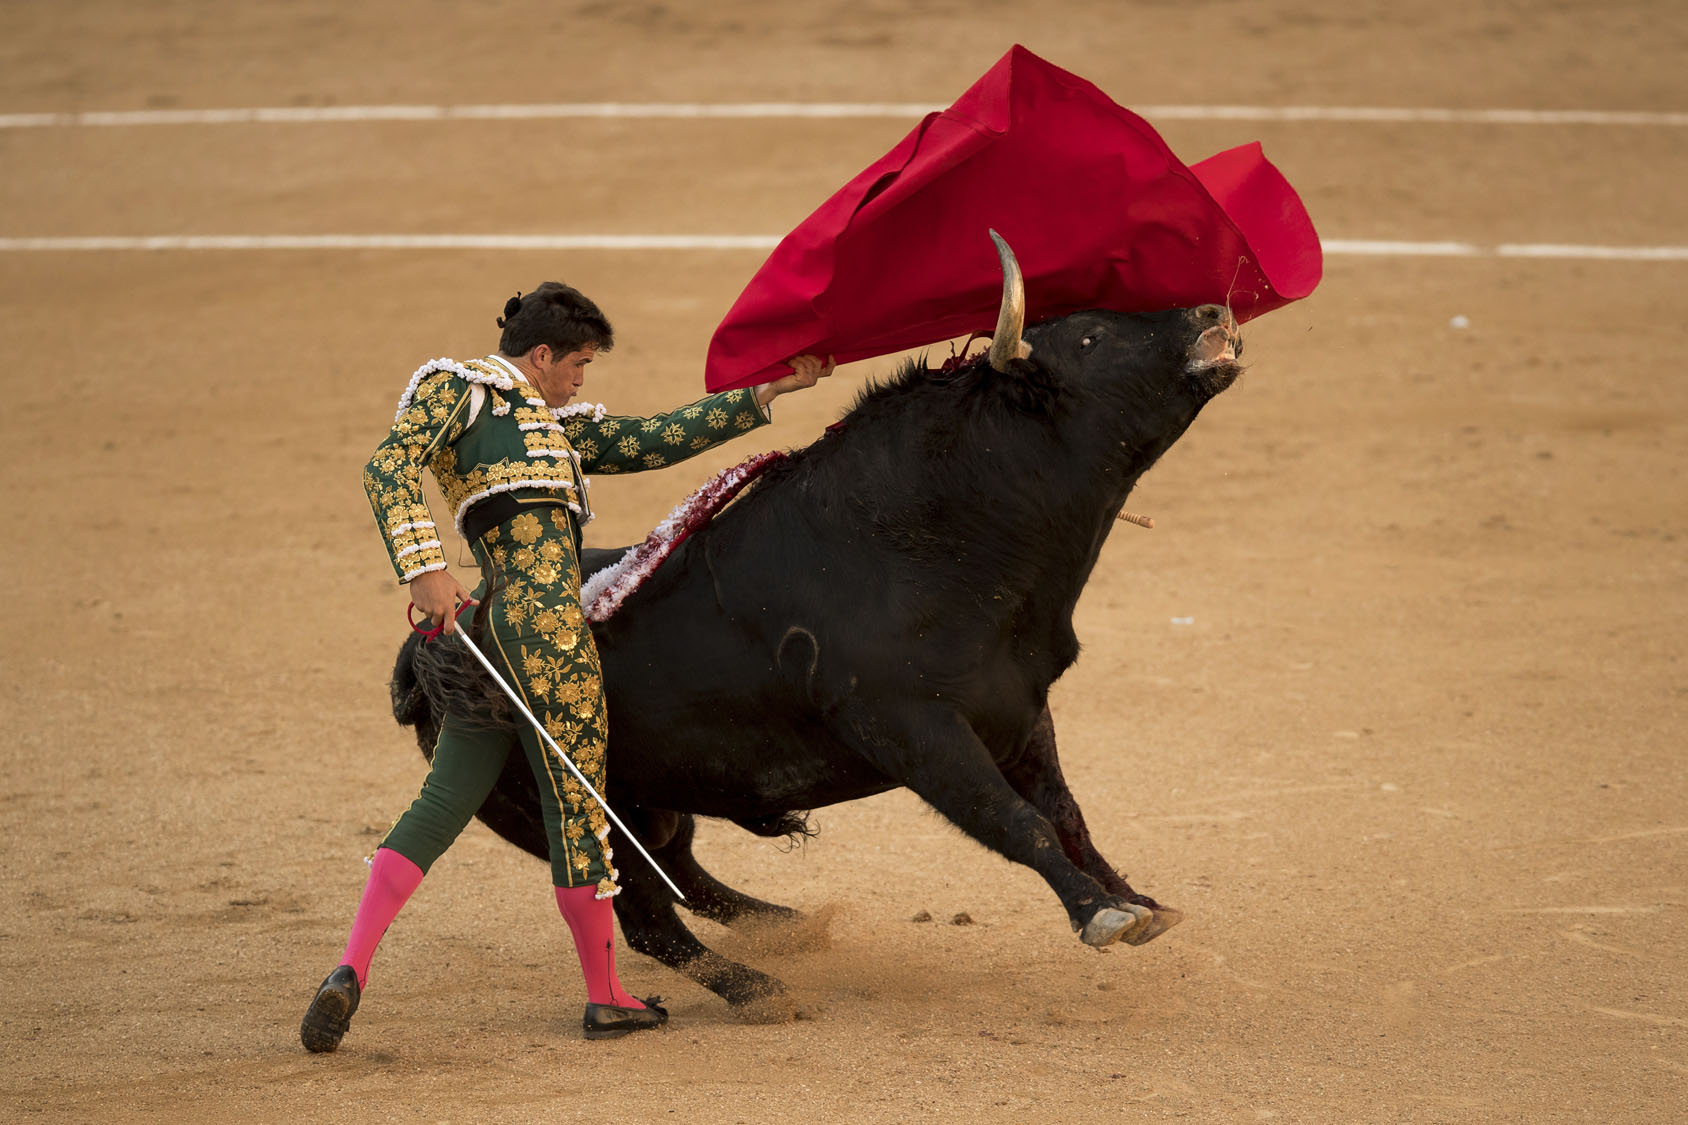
(1415, 770)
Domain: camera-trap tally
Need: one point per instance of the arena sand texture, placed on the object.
(1414, 766)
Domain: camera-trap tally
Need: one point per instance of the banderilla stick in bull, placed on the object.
(564, 758)
(1140, 521)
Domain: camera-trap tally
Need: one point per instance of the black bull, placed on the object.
(888, 607)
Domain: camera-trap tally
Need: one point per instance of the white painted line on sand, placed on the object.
(1606, 253)
(1550, 250)
(1402, 249)
(634, 242)
(402, 242)
(1385, 114)
(338, 113)
(764, 110)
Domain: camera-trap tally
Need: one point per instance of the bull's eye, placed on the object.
(1086, 343)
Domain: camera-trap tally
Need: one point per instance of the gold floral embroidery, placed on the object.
(673, 434)
(628, 445)
(717, 418)
(744, 420)
(651, 425)
(459, 486)
(655, 460)
(525, 528)
(543, 442)
(393, 476)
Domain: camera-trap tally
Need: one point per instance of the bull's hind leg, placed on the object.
(645, 909)
(707, 896)
(930, 748)
(1036, 775)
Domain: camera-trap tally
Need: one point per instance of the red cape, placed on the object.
(1098, 210)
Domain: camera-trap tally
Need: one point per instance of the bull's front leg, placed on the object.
(931, 749)
(1035, 774)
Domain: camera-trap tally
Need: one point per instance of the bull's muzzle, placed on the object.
(1213, 356)
(1221, 342)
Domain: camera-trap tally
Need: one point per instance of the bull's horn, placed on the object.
(1006, 344)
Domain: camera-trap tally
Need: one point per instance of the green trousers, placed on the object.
(543, 648)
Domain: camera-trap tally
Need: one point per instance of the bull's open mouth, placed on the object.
(1214, 355)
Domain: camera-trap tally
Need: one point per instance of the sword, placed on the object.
(475, 651)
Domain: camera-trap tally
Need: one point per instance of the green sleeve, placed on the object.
(626, 444)
(432, 420)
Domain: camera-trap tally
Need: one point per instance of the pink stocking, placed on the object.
(392, 879)
(591, 920)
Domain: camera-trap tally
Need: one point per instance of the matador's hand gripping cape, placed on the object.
(1098, 210)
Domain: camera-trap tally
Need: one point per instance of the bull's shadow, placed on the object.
(886, 607)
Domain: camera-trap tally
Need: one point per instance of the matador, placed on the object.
(512, 458)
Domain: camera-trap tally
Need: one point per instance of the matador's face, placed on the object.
(560, 377)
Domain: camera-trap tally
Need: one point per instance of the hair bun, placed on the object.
(513, 306)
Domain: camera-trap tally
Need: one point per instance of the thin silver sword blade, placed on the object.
(564, 758)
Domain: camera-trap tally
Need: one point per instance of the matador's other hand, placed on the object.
(438, 594)
(806, 371)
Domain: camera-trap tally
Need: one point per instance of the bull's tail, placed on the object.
(410, 703)
(430, 679)
(794, 826)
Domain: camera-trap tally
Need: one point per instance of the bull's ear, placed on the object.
(1033, 388)
(1007, 346)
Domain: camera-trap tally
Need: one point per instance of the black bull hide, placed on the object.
(888, 607)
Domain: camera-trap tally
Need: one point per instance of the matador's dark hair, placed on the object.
(557, 315)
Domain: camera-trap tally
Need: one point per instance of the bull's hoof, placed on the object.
(1111, 924)
(739, 985)
(780, 1007)
(1164, 919)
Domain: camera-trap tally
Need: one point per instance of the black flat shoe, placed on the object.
(611, 1021)
(330, 1013)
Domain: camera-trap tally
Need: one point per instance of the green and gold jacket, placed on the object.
(483, 429)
